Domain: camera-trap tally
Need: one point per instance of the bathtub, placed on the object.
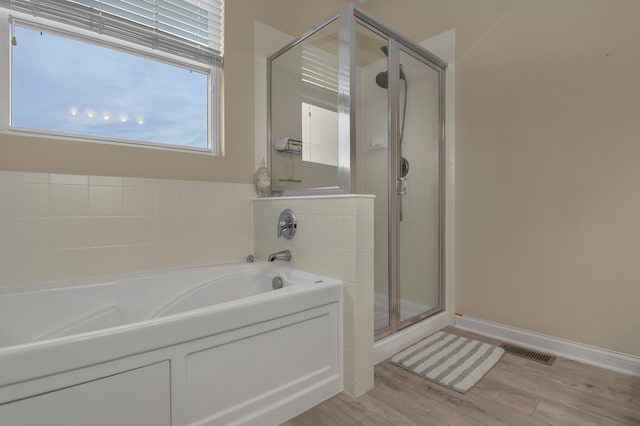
(196, 346)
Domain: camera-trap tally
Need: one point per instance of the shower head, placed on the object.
(382, 78)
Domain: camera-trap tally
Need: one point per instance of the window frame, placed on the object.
(214, 94)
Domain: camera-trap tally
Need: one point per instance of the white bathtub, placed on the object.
(196, 346)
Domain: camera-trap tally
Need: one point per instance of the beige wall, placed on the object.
(548, 173)
(547, 156)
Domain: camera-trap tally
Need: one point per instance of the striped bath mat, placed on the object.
(449, 360)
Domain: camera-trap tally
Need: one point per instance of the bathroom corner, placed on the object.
(334, 238)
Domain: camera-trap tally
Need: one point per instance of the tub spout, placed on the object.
(280, 255)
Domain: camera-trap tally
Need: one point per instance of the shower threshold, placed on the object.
(408, 309)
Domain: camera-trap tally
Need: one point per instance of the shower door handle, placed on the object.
(401, 189)
(402, 186)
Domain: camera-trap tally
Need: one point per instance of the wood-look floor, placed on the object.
(515, 392)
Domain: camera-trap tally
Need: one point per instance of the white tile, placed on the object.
(358, 298)
(139, 201)
(308, 229)
(70, 232)
(259, 208)
(349, 387)
(197, 202)
(111, 260)
(69, 179)
(105, 181)
(3, 200)
(305, 206)
(365, 206)
(27, 267)
(365, 265)
(358, 331)
(451, 151)
(26, 200)
(105, 201)
(345, 207)
(161, 256)
(106, 231)
(139, 182)
(363, 386)
(233, 234)
(169, 229)
(236, 198)
(140, 230)
(350, 364)
(201, 185)
(69, 200)
(365, 232)
(339, 232)
(199, 253)
(335, 263)
(26, 177)
(170, 184)
(302, 255)
(175, 255)
(191, 229)
(265, 228)
(24, 234)
(361, 370)
(71, 263)
(143, 258)
(168, 201)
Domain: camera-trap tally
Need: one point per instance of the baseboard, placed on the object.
(611, 360)
(388, 346)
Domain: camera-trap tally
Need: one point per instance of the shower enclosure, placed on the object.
(354, 107)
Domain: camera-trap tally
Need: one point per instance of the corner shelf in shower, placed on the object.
(288, 146)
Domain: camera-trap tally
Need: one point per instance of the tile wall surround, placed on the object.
(334, 238)
(55, 226)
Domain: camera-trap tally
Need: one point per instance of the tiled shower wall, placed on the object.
(334, 238)
(56, 226)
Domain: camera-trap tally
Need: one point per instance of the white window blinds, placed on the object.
(319, 67)
(191, 29)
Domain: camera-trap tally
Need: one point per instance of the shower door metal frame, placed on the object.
(346, 104)
(397, 43)
(348, 19)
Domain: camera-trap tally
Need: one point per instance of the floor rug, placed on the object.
(449, 360)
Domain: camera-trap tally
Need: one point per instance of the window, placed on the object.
(319, 135)
(149, 77)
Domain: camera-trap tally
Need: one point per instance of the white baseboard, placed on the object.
(611, 360)
(388, 346)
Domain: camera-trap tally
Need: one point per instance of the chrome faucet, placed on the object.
(280, 255)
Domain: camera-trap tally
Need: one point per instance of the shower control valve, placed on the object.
(287, 224)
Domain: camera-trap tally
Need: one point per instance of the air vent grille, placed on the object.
(528, 354)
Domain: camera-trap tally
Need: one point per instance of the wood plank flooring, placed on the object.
(515, 392)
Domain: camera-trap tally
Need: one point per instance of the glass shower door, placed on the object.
(372, 155)
(419, 199)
